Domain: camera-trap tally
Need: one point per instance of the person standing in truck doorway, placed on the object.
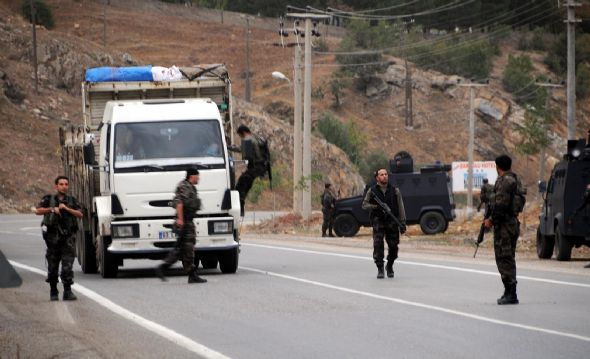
(60, 223)
(257, 164)
(383, 225)
(187, 203)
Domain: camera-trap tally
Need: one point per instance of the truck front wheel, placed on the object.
(545, 245)
(432, 222)
(107, 263)
(228, 260)
(345, 225)
(563, 248)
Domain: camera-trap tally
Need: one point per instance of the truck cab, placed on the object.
(564, 222)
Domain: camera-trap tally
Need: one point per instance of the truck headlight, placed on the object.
(221, 227)
(125, 230)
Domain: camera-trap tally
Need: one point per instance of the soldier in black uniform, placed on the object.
(328, 203)
(383, 225)
(506, 227)
(251, 151)
(187, 203)
(60, 225)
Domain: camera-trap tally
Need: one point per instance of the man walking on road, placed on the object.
(383, 225)
(503, 218)
(60, 225)
(187, 204)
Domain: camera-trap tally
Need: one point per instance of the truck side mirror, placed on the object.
(542, 187)
(89, 158)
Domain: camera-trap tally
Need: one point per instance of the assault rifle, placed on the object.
(482, 232)
(387, 210)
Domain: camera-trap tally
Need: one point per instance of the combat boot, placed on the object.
(389, 269)
(68, 294)
(323, 234)
(331, 234)
(510, 297)
(380, 274)
(194, 278)
(159, 270)
(506, 290)
(53, 292)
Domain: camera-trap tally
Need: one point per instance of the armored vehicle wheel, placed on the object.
(228, 261)
(345, 225)
(563, 248)
(209, 263)
(107, 263)
(432, 222)
(86, 252)
(545, 245)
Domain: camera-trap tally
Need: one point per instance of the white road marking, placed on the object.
(153, 327)
(36, 228)
(421, 305)
(437, 266)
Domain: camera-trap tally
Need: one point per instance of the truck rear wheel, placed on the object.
(107, 263)
(345, 225)
(545, 245)
(563, 248)
(432, 222)
(228, 260)
(86, 252)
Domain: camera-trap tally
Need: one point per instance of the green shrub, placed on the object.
(348, 137)
(374, 160)
(539, 39)
(44, 15)
(518, 78)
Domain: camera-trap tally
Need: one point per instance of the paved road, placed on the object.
(294, 299)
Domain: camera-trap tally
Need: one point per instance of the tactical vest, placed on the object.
(66, 223)
(390, 199)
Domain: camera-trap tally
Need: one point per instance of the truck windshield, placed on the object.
(157, 145)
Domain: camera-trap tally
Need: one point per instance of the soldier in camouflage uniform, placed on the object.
(328, 203)
(251, 151)
(60, 225)
(187, 203)
(506, 227)
(486, 194)
(383, 225)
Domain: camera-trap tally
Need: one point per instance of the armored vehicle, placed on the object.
(565, 220)
(427, 195)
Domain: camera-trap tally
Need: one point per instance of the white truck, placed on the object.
(124, 163)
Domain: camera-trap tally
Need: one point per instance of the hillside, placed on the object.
(152, 32)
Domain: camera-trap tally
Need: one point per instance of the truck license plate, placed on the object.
(167, 235)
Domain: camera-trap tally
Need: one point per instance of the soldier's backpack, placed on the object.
(519, 199)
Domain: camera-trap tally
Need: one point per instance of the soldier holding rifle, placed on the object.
(388, 219)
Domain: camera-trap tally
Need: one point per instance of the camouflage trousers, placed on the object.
(328, 223)
(62, 249)
(390, 232)
(505, 237)
(185, 248)
(246, 181)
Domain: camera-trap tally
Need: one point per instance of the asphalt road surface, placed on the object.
(295, 299)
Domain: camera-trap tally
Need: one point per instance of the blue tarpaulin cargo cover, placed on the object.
(134, 73)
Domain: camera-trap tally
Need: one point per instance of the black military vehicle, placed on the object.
(565, 219)
(427, 195)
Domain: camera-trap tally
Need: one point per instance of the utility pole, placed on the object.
(248, 89)
(297, 135)
(409, 110)
(550, 86)
(471, 145)
(104, 24)
(306, 173)
(34, 22)
(571, 69)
